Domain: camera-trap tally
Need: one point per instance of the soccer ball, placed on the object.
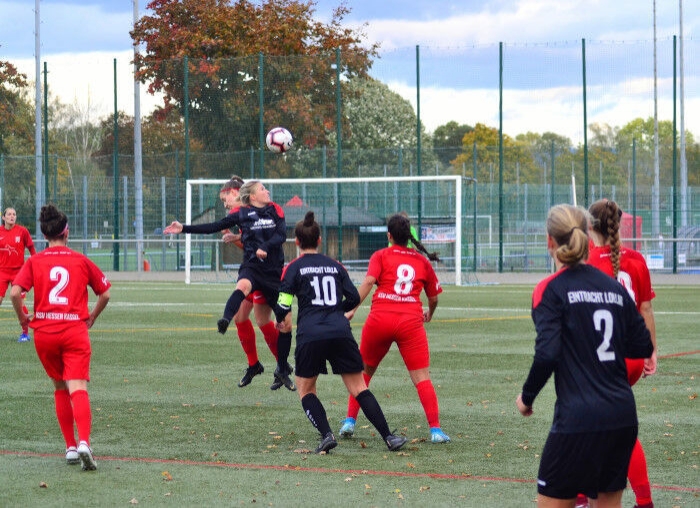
(279, 140)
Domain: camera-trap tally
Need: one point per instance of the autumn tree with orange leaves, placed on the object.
(223, 43)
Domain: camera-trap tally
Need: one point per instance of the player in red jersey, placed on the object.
(60, 278)
(586, 325)
(254, 302)
(14, 239)
(630, 269)
(396, 315)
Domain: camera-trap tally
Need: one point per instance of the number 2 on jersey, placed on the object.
(603, 321)
(61, 276)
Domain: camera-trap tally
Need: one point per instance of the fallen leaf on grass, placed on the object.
(134, 501)
(167, 476)
(43, 485)
(423, 489)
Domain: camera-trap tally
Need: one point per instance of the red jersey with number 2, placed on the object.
(401, 274)
(60, 278)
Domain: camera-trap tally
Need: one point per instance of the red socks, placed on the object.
(82, 414)
(428, 398)
(246, 334)
(271, 333)
(64, 414)
(638, 475)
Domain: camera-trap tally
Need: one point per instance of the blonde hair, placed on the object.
(246, 190)
(568, 226)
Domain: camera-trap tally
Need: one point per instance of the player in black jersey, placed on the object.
(263, 233)
(586, 325)
(324, 292)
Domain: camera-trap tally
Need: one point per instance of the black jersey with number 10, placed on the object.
(324, 293)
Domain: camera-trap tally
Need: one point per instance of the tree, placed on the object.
(381, 124)
(14, 109)
(447, 140)
(161, 137)
(224, 43)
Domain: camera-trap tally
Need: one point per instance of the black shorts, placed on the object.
(263, 279)
(585, 462)
(343, 355)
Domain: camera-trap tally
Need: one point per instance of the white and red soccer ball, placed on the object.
(279, 140)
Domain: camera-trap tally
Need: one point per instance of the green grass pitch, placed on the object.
(171, 427)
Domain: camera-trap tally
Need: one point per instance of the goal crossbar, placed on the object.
(458, 181)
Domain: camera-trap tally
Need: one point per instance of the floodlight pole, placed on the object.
(37, 119)
(138, 161)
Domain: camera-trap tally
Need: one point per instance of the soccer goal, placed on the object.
(352, 213)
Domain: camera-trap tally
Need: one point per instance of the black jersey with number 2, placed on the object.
(586, 325)
(324, 293)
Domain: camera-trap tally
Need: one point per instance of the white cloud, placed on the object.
(89, 77)
(78, 73)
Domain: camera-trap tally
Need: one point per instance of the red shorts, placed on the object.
(65, 354)
(635, 368)
(7, 275)
(381, 330)
(256, 297)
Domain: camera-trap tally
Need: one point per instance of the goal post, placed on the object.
(352, 213)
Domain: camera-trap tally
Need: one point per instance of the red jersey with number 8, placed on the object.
(401, 275)
(60, 278)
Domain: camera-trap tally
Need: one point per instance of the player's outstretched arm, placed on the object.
(174, 228)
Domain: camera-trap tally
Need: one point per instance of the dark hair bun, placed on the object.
(309, 219)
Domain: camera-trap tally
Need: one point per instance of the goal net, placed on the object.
(352, 213)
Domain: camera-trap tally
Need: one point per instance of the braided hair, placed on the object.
(400, 229)
(606, 217)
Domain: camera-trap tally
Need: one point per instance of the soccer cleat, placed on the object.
(395, 442)
(438, 436)
(283, 379)
(250, 373)
(222, 325)
(72, 456)
(348, 427)
(24, 337)
(86, 458)
(327, 443)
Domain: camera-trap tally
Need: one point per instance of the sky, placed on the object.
(80, 40)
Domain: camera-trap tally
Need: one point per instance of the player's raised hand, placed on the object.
(174, 228)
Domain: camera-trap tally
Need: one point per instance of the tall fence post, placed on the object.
(115, 165)
(585, 126)
(339, 153)
(674, 194)
(261, 111)
(500, 157)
